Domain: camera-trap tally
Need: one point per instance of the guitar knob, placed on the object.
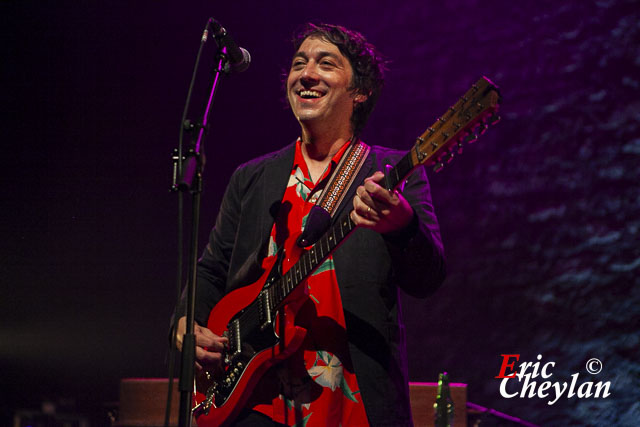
(232, 376)
(236, 371)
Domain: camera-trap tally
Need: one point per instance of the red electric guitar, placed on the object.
(259, 319)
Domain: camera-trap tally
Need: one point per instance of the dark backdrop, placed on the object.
(540, 218)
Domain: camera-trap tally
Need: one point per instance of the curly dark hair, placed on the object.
(367, 63)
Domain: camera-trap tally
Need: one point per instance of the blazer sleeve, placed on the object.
(417, 253)
(213, 265)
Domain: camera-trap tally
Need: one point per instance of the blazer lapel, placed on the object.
(276, 176)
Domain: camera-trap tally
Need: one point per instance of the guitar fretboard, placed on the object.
(310, 260)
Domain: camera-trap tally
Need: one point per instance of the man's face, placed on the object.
(318, 85)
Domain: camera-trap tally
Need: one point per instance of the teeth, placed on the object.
(310, 94)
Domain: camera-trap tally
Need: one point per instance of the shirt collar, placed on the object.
(298, 159)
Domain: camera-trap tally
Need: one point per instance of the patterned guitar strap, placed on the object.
(332, 196)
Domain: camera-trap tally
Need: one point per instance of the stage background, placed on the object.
(540, 218)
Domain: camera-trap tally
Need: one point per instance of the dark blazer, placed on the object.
(370, 269)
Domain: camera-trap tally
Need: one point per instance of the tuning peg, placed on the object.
(459, 147)
(449, 156)
(482, 128)
(494, 119)
(438, 167)
(470, 138)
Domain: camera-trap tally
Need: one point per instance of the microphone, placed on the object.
(239, 58)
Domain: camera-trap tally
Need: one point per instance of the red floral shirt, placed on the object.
(318, 386)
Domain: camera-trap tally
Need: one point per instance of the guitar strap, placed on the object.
(332, 196)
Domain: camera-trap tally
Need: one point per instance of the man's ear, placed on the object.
(360, 98)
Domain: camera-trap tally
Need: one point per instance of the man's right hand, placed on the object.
(209, 346)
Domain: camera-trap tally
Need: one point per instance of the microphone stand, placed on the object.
(189, 176)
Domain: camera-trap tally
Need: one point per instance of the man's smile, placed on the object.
(310, 94)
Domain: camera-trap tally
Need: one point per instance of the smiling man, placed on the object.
(347, 366)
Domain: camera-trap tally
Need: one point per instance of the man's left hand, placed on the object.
(379, 209)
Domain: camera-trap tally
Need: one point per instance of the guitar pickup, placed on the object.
(235, 342)
(264, 303)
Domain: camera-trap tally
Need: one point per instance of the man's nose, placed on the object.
(309, 74)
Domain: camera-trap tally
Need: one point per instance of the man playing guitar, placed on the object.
(349, 367)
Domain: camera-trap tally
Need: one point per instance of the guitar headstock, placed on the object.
(462, 123)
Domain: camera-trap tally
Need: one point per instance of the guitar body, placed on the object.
(256, 343)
